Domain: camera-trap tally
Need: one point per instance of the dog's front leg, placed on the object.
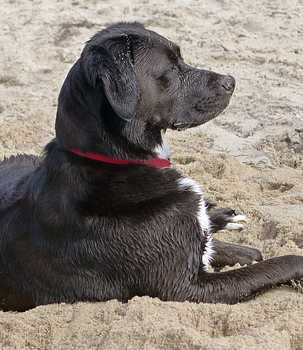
(242, 284)
(229, 254)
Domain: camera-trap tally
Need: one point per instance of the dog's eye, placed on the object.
(165, 77)
(179, 52)
(175, 54)
(171, 68)
(164, 80)
(168, 76)
(173, 57)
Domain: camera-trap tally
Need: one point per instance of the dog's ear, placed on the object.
(111, 63)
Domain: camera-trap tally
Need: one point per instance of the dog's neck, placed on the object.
(156, 162)
(161, 159)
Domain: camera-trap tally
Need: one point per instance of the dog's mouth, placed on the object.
(179, 126)
(197, 121)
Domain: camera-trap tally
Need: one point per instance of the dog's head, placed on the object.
(128, 85)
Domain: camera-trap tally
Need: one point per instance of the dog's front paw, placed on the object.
(226, 219)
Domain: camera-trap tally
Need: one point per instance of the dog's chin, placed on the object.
(195, 121)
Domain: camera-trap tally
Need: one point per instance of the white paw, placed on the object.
(232, 226)
(239, 218)
(236, 222)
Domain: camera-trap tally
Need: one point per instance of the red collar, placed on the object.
(155, 162)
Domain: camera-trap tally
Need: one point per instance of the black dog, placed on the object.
(101, 215)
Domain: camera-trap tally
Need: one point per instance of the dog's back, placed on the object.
(14, 172)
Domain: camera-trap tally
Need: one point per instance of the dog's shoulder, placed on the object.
(143, 190)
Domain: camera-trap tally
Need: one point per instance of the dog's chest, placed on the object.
(186, 183)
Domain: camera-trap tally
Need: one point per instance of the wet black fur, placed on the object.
(74, 229)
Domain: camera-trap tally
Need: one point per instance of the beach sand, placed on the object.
(249, 158)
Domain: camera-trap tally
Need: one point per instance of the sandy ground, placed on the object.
(249, 158)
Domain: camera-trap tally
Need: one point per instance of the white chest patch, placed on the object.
(186, 183)
(163, 151)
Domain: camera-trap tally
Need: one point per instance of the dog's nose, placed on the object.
(228, 83)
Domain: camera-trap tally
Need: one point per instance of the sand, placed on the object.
(249, 158)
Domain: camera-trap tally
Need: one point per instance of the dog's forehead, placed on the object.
(158, 40)
(143, 38)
